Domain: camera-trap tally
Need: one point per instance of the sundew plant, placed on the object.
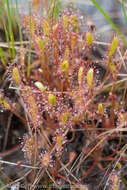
(71, 106)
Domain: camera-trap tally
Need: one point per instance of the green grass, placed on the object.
(5, 27)
(124, 11)
(3, 57)
(54, 8)
(10, 27)
(19, 23)
(110, 21)
(12, 9)
(30, 40)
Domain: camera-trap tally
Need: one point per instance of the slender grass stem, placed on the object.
(13, 14)
(30, 41)
(124, 11)
(110, 21)
(3, 57)
(10, 28)
(19, 23)
(5, 28)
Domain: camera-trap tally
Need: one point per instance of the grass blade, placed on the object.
(54, 8)
(4, 27)
(10, 28)
(13, 15)
(3, 57)
(30, 43)
(110, 21)
(19, 23)
(124, 11)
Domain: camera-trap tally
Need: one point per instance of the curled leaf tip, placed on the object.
(113, 46)
(64, 66)
(40, 43)
(100, 109)
(80, 73)
(59, 141)
(89, 39)
(64, 118)
(40, 86)
(16, 76)
(52, 99)
(90, 77)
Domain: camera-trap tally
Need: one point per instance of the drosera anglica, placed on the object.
(60, 97)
